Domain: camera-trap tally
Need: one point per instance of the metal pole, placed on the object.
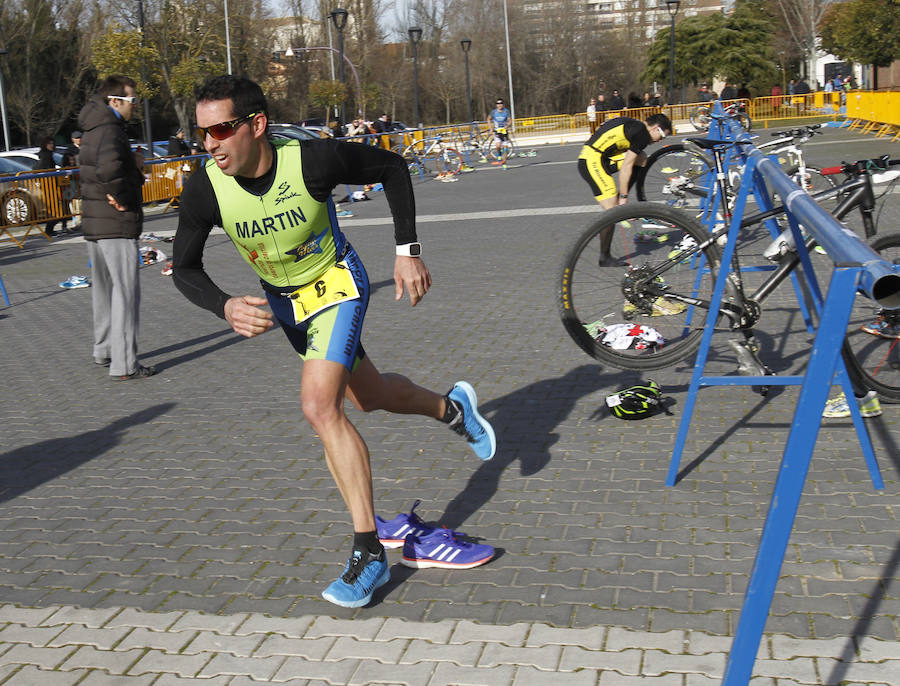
(341, 74)
(466, 45)
(3, 104)
(227, 38)
(672, 62)
(415, 85)
(148, 135)
(512, 98)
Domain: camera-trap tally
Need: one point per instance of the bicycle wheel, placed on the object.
(627, 286)
(678, 177)
(700, 118)
(448, 161)
(812, 181)
(745, 121)
(870, 349)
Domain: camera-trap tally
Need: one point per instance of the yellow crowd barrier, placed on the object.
(28, 200)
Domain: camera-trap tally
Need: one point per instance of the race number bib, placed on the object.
(501, 129)
(333, 287)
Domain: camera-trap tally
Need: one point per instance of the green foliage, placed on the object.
(865, 31)
(735, 48)
(121, 52)
(326, 94)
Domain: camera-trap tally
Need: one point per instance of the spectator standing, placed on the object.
(178, 147)
(743, 92)
(70, 156)
(592, 115)
(615, 101)
(729, 92)
(383, 125)
(602, 107)
(46, 162)
(705, 94)
(112, 218)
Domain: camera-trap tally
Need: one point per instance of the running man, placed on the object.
(274, 201)
(617, 146)
(500, 120)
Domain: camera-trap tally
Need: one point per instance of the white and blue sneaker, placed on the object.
(363, 574)
(476, 429)
(76, 281)
(393, 532)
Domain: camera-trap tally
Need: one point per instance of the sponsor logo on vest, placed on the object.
(282, 221)
(283, 196)
(312, 246)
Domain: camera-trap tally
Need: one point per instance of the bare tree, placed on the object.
(801, 17)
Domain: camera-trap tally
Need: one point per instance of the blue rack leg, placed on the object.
(792, 475)
(5, 295)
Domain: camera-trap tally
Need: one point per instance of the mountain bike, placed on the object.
(702, 116)
(419, 154)
(633, 286)
(682, 175)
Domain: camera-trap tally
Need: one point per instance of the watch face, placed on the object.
(415, 250)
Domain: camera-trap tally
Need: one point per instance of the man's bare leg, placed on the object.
(322, 392)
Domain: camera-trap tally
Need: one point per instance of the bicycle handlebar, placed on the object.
(862, 166)
(806, 131)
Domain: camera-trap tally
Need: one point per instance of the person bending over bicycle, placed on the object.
(617, 146)
(500, 119)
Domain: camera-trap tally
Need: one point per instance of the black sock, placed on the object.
(367, 540)
(452, 411)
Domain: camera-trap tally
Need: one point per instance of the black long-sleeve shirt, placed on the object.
(326, 164)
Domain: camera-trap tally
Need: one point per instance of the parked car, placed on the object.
(20, 203)
(295, 131)
(29, 156)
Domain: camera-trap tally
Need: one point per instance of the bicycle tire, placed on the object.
(745, 121)
(599, 285)
(700, 118)
(449, 161)
(874, 359)
(676, 177)
(814, 181)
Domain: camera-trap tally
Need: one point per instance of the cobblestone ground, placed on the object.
(182, 527)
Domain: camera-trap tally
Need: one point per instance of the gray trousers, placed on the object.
(116, 293)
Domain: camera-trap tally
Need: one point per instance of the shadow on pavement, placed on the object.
(32, 465)
(860, 630)
(524, 421)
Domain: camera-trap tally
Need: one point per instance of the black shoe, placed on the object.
(141, 372)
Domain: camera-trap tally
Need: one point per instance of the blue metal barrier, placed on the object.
(857, 268)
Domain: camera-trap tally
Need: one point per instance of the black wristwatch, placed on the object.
(623, 195)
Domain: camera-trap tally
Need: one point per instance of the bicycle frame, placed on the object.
(857, 193)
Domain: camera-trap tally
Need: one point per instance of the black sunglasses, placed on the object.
(224, 129)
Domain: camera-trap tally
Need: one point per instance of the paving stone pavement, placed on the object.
(179, 529)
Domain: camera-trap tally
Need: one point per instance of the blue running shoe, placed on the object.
(444, 548)
(363, 574)
(476, 429)
(392, 533)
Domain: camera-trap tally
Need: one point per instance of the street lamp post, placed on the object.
(415, 35)
(4, 53)
(672, 7)
(466, 45)
(339, 18)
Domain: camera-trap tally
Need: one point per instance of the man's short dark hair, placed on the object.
(114, 84)
(246, 96)
(659, 119)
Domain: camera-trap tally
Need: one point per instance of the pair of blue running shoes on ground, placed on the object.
(423, 545)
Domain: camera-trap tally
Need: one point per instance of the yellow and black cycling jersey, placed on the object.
(613, 139)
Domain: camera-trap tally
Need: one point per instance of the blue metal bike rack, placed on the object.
(857, 268)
